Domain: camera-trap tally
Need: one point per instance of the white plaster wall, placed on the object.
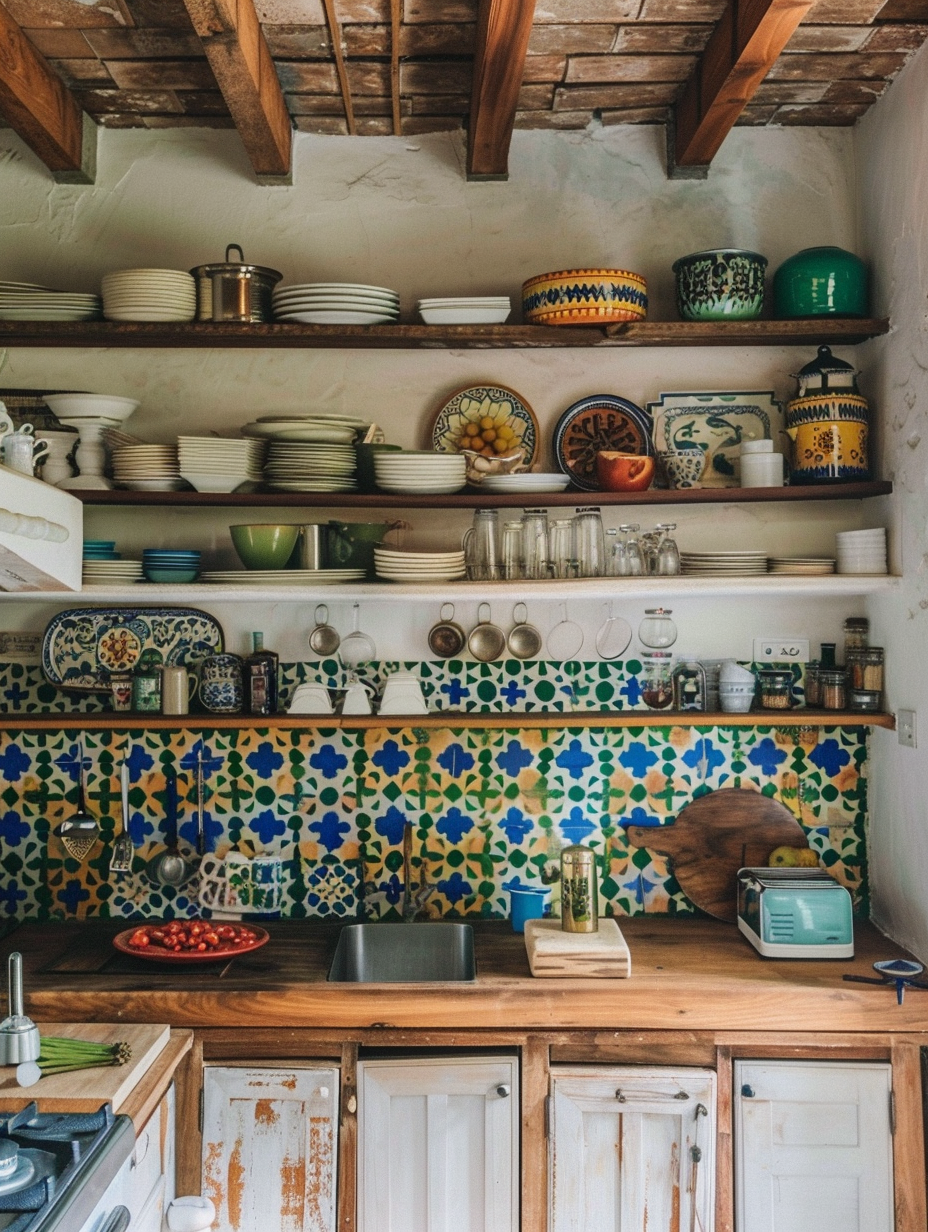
(396, 212)
(892, 156)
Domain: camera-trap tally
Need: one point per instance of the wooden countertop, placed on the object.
(689, 974)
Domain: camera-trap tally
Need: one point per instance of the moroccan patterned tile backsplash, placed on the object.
(488, 806)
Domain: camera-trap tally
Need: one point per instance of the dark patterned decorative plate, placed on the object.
(600, 422)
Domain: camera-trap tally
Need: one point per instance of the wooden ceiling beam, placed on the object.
(503, 29)
(38, 106)
(742, 49)
(238, 54)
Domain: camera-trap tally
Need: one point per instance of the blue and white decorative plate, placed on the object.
(83, 647)
(717, 423)
(494, 405)
(603, 422)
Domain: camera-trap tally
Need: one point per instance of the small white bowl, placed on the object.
(91, 406)
(736, 704)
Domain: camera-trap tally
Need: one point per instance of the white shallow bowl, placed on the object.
(148, 314)
(464, 316)
(339, 317)
(91, 406)
(216, 483)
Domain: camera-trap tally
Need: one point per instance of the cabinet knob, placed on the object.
(503, 1090)
(747, 1091)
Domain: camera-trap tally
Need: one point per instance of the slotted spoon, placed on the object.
(80, 831)
(123, 849)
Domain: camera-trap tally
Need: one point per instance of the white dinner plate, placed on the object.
(343, 317)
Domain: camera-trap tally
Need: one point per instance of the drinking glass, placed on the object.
(535, 543)
(590, 542)
(629, 560)
(562, 547)
(512, 550)
(481, 547)
(668, 555)
(649, 542)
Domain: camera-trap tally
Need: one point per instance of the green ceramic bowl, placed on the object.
(821, 282)
(264, 546)
(722, 284)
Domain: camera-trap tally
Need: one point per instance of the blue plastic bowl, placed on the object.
(155, 574)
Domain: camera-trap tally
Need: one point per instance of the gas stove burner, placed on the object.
(16, 1170)
(30, 1125)
(31, 1183)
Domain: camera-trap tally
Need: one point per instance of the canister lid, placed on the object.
(756, 447)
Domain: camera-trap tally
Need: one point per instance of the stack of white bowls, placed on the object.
(210, 464)
(336, 303)
(465, 310)
(396, 566)
(428, 474)
(149, 295)
(147, 468)
(862, 551)
(736, 688)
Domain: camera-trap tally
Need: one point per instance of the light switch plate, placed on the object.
(905, 725)
(781, 650)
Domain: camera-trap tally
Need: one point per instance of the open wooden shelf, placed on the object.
(398, 337)
(448, 719)
(475, 499)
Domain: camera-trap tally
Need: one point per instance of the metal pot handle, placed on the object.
(238, 249)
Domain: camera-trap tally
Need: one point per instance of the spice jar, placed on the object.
(776, 690)
(856, 634)
(865, 699)
(689, 686)
(656, 679)
(834, 690)
(813, 683)
(865, 669)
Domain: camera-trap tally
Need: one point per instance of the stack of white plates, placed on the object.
(336, 303)
(147, 468)
(211, 464)
(282, 577)
(434, 474)
(802, 565)
(396, 566)
(149, 295)
(315, 429)
(112, 572)
(465, 310)
(528, 483)
(723, 564)
(862, 551)
(292, 466)
(24, 301)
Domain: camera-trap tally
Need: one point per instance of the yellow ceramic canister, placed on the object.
(585, 297)
(830, 436)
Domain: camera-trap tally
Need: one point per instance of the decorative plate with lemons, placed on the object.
(489, 419)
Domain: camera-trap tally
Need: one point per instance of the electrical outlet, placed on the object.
(905, 724)
(781, 650)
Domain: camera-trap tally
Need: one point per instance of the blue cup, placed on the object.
(527, 903)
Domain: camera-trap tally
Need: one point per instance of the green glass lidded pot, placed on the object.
(821, 282)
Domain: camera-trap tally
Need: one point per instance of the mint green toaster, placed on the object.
(795, 913)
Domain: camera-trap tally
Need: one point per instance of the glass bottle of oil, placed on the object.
(261, 678)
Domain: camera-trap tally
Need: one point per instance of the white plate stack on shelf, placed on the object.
(336, 303)
(802, 566)
(465, 310)
(25, 301)
(312, 429)
(257, 578)
(420, 472)
(147, 468)
(212, 464)
(862, 551)
(526, 483)
(149, 295)
(295, 467)
(103, 565)
(396, 566)
(723, 564)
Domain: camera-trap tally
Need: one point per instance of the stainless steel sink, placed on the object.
(404, 954)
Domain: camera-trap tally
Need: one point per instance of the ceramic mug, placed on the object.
(240, 884)
(222, 690)
(21, 451)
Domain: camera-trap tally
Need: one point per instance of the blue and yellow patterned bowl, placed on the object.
(584, 297)
(724, 284)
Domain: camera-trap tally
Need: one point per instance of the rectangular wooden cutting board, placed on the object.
(86, 1090)
(554, 953)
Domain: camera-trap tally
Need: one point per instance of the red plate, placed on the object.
(257, 938)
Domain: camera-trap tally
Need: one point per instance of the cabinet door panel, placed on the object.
(269, 1148)
(631, 1148)
(813, 1147)
(438, 1145)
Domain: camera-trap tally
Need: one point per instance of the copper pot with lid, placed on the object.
(235, 291)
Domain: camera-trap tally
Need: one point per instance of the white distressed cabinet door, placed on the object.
(438, 1145)
(813, 1147)
(269, 1147)
(631, 1148)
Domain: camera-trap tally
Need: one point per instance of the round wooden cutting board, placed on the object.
(715, 836)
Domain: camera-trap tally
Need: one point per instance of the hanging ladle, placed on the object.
(79, 832)
(169, 867)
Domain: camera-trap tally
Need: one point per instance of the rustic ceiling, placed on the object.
(142, 63)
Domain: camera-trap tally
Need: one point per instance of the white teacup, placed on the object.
(21, 451)
(402, 694)
(240, 884)
(310, 698)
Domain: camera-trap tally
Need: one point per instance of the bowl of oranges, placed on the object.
(494, 427)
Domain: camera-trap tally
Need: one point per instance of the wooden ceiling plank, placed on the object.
(244, 70)
(503, 30)
(396, 21)
(742, 49)
(335, 35)
(38, 106)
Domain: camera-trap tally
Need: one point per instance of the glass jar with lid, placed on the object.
(834, 689)
(776, 690)
(856, 634)
(657, 679)
(689, 686)
(865, 669)
(657, 631)
(813, 683)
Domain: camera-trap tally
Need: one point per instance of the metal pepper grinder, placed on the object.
(19, 1036)
(579, 892)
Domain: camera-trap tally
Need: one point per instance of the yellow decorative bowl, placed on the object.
(585, 297)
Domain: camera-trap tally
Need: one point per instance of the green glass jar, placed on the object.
(821, 282)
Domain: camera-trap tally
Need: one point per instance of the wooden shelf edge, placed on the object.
(476, 499)
(363, 337)
(442, 720)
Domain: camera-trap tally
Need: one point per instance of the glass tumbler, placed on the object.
(562, 548)
(590, 542)
(668, 554)
(512, 550)
(628, 559)
(535, 543)
(481, 547)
